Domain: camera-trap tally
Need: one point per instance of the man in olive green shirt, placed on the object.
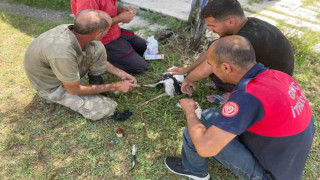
(56, 61)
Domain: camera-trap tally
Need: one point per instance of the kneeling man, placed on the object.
(264, 130)
(56, 61)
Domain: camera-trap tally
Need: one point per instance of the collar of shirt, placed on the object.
(75, 42)
(252, 73)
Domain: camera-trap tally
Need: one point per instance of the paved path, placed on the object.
(296, 13)
(43, 14)
(175, 8)
(293, 12)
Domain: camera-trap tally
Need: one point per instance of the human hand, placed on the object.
(178, 71)
(186, 87)
(125, 86)
(188, 105)
(126, 16)
(130, 9)
(126, 76)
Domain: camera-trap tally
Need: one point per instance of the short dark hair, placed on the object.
(90, 26)
(220, 9)
(235, 51)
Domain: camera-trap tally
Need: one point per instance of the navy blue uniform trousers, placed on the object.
(126, 52)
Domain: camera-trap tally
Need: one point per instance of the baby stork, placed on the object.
(171, 84)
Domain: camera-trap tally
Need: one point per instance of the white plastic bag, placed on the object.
(152, 46)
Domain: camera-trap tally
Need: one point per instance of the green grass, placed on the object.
(254, 1)
(49, 141)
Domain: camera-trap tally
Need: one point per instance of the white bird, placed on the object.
(171, 84)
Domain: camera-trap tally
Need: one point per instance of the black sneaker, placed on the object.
(95, 80)
(174, 164)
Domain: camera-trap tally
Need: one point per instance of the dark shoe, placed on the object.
(122, 116)
(174, 164)
(212, 85)
(95, 80)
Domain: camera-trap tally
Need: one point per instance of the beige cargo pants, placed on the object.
(92, 107)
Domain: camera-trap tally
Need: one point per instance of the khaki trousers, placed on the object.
(92, 107)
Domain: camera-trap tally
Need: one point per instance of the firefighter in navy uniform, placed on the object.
(264, 130)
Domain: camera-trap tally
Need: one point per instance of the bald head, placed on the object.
(88, 21)
(233, 49)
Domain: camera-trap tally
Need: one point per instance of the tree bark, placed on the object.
(199, 26)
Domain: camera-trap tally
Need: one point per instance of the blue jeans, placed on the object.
(234, 156)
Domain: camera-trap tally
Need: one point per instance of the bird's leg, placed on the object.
(148, 85)
(161, 95)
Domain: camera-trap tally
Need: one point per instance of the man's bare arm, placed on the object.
(77, 88)
(113, 70)
(200, 72)
(181, 70)
(208, 142)
(199, 61)
(120, 73)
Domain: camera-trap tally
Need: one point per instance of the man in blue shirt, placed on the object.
(264, 130)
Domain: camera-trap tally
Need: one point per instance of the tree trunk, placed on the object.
(199, 27)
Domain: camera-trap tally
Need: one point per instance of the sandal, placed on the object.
(212, 85)
(219, 99)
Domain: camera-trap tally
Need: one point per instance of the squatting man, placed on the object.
(264, 130)
(56, 61)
